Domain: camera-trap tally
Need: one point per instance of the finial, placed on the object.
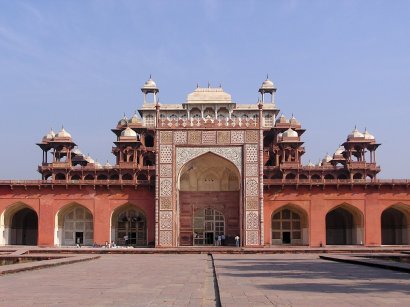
(197, 85)
(220, 85)
(150, 76)
(267, 76)
(209, 84)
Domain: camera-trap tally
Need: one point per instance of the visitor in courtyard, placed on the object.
(126, 240)
(223, 240)
(237, 241)
(219, 240)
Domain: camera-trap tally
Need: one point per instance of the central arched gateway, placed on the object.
(209, 201)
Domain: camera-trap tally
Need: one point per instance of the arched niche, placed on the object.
(289, 225)
(129, 220)
(344, 226)
(395, 224)
(74, 225)
(19, 225)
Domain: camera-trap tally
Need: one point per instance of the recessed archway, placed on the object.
(129, 226)
(208, 183)
(74, 225)
(344, 226)
(290, 226)
(19, 225)
(395, 223)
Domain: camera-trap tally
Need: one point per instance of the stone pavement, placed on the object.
(115, 280)
(187, 280)
(305, 280)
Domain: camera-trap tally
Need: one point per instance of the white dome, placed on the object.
(310, 164)
(89, 159)
(134, 119)
(282, 119)
(107, 165)
(98, 165)
(63, 134)
(355, 134)
(128, 132)
(123, 121)
(77, 152)
(50, 135)
(267, 84)
(150, 84)
(339, 151)
(290, 133)
(293, 120)
(367, 135)
(327, 158)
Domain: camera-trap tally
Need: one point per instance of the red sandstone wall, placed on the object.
(317, 202)
(100, 201)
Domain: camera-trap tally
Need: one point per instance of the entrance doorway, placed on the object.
(208, 225)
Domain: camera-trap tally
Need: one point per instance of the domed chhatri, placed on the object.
(123, 121)
(134, 120)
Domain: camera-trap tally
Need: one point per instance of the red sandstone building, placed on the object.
(186, 173)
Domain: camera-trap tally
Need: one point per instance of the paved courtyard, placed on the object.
(187, 280)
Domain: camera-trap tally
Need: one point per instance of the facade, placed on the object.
(188, 173)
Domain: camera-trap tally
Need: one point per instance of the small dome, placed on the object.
(98, 164)
(128, 132)
(123, 121)
(310, 164)
(294, 121)
(282, 119)
(267, 85)
(150, 85)
(63, 134)
(77, 152)
(107, 165)
(327, 159)
(134, 119)
(339, 151)
(367, 135)
(89, 159)
(355, 134)
(50, 135)
(290, 133)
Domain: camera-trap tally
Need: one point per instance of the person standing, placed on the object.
(223, 240)
(237, 241)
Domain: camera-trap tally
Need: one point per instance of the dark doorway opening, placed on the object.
(79, 237)
(286, 237)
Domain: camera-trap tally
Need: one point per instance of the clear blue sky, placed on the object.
(336, 64)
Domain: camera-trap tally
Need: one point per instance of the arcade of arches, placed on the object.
(206, 211)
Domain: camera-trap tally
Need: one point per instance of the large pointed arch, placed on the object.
(290, 225)
(208, 183)
(129, 226)
(19, 225)
(74, 224)
(344, 225)
(395, 225)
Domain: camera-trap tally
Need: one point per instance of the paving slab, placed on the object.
(306, 280)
